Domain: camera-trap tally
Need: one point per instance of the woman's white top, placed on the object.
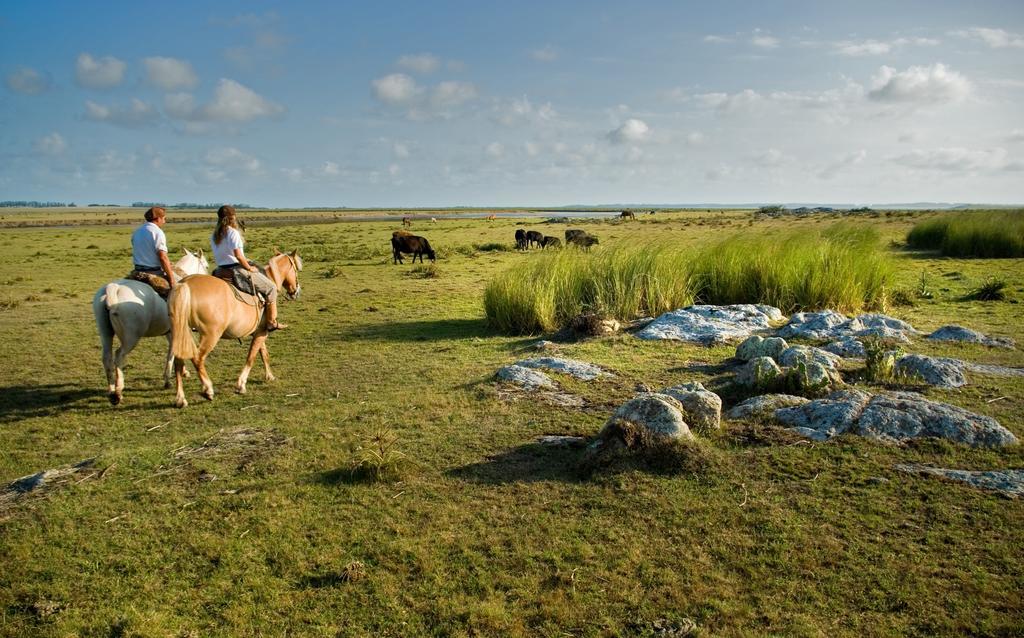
(224, 252)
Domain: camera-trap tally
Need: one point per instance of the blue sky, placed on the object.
(463, 103)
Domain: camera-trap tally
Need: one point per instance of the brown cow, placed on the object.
(403, 242)
(407, 221)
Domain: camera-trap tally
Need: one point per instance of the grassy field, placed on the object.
(987, 234)
(246, 516)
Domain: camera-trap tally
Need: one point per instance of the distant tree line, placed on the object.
(184, 205)
(26, 203)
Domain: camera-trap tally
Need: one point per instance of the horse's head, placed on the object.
(192, 263)
(285, 269)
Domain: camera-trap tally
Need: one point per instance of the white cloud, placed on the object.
(770, 158)
(1016, 135)
(330, 169)
(546, 53)
(858, 48)
(522, 111)
(745, 100)
(844, 162)
(420, 63)
(401, 151)
(170, 74)
(630, 132)
(52, 144)
(452, 93)
(532, 148)
(138, 114)
(919, 84)
(233, 102)
(695, 139)
(231, 160)
(99, 73)
(394, 169)
(395, 89)
(995, 38)
(765, 41)
(27, 81)
(109, 166)
(293, 174)
(494, 150)
(717, 39)
(956, 159)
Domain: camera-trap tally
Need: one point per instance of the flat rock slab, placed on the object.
(764, 406)
(847, 348)
(526, 378)
(966, 335)
(830, 324)
(892, 417)
(579, 369)
(1009, 483)
(711, 325)
(941, 372)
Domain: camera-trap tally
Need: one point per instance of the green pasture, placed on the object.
(251, 516)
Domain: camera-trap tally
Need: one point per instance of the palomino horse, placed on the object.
(209, 305)
(132, 310)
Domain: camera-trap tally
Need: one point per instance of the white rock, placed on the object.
(758, 372)
(764, 406)
(831, 416)
(702, 409)
(938, 371)
(579, 369)
(756, 346)
(829, 324)
(661, 414)
(847, 347)
(966, 335)
(795, 355)
(711, 324)
(526, 378)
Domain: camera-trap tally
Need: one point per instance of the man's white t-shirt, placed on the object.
(147, 240)
(224, 252)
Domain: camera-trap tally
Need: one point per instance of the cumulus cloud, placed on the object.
(546, 53)
(631, 131)
(232, 102)
(137, 114)
(230, 160)
(859, 48)
(744, 100)
(522, 111)
(421, 102)
(995, 38)
(395, 89)
(717, 39)
(842, 163)
(400, 151)
(109, 166)
(420, 63)
(919, 84)
(27, 81)
(764, 41)
(99, 73)
(330, 169)
(956, 159)
(494, 150)
(170, 74)
(52, 144)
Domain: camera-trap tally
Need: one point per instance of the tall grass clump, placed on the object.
(842, 268)
(986, 234)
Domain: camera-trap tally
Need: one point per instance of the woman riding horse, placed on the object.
(228, 252)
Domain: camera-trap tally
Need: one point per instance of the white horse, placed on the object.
(132, 310)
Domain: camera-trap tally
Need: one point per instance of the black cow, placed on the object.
(521, 239)
(533, 237)
(548, 240)
(403, 242)
(586, 242)
(571, 234)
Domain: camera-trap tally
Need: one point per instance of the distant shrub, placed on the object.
(842, 268)
(991, 290)
(492, 247)
(986, 234)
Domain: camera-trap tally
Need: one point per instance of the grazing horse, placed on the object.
(210, 306)
(491, 217)
(407, 221)
(131, 310)
(627, 214)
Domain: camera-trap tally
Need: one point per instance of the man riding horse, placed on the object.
(149, 253)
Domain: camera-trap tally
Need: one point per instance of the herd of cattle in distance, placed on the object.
(405, 243)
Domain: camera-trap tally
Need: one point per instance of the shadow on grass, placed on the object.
(528, 463)
(350, 476)
(440, 330)
(22, 401)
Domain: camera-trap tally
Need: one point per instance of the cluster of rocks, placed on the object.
(772, 362)
(711, 325)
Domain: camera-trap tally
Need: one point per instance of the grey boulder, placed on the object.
(711, 325)
(526, 378)
(764, 406)
(937, 371)
(702, 409)
(795, 355)
(966, 335)
(659, 414)
(847, 348)
(758, 372)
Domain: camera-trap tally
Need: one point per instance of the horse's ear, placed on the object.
(295, 253)
(276, 251)
(187, 253)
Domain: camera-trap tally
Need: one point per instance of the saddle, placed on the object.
(241, 284)
(156, 282)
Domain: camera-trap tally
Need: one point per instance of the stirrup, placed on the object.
(277, 325)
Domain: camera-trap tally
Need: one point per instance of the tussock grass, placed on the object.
(842, 268)
(988, 234)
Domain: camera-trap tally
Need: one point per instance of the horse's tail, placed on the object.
(110, 294)
(183, 346)
(101, 310)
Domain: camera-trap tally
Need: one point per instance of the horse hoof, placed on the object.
(115, 398)
(180, 403)
(271, 377)
(240, 389)
(167, 385)
(208, 395)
